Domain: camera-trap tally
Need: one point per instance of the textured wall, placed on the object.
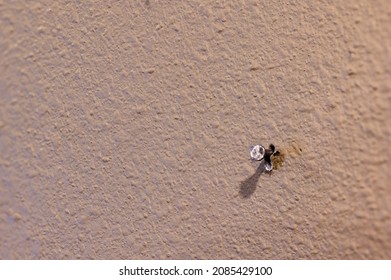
(125, 129)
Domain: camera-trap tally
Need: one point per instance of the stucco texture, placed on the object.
(125, 129)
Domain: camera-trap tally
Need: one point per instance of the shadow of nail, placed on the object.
(248, 186)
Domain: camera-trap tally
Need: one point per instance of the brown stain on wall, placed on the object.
(278, 159)
(292, 150)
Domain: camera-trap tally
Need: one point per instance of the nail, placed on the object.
(258, 152)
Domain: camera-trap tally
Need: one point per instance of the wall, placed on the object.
(125, 129)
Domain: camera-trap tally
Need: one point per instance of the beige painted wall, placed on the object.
(125, 129)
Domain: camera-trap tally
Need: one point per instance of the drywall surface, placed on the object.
(125, 129)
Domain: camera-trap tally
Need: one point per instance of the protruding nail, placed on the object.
(257, 152)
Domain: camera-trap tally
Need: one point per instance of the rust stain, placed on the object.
(279, 157)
